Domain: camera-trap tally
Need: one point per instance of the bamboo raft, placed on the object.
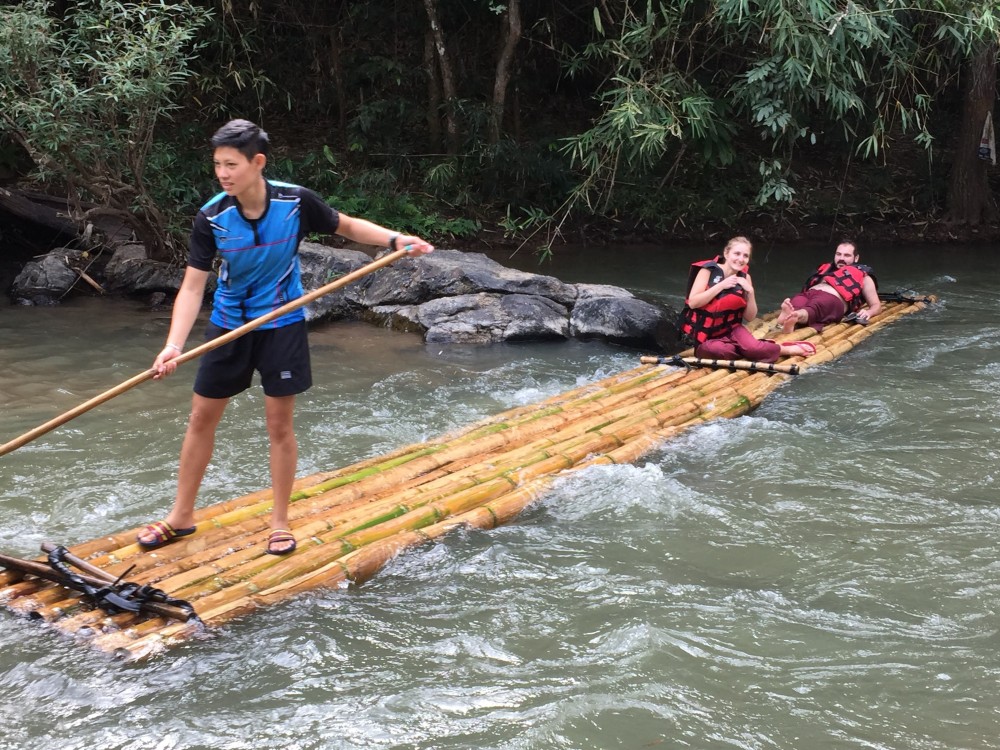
(351, 521)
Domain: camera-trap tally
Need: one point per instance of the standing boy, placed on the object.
(255, 225)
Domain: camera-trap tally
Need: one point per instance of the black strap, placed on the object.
(116, 596)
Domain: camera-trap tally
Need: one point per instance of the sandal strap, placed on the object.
(161, 531)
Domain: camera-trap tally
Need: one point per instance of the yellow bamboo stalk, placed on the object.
(588, 451)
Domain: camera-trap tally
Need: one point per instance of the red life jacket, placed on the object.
(847, 281)
(719, 316)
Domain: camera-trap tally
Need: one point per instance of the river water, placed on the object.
(822, 573)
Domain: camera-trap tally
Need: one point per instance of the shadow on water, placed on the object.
(818, 574)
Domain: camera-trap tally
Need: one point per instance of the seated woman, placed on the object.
(720, 297)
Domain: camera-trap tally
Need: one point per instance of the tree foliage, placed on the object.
(648, 112)
(770, 80)
(84, 94)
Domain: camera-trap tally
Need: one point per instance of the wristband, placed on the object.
(174, 346)
(392, 242)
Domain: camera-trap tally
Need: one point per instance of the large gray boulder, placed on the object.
(613, 314)
(46, 280)
(452, 273)
(482, 318)
(321, 265)
(131, 271)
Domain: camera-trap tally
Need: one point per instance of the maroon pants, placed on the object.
(822, 307)
(739, 344)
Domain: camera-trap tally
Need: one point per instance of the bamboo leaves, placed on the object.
(83, 95)
(694, 80)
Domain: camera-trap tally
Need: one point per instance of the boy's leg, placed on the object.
(282, 358)
(279, 412)
(196, 452)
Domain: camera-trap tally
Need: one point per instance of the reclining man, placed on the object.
(835, 290)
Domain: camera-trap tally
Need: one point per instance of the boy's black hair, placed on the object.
(242, 135)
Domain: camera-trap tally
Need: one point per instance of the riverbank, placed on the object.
(764, 229)
(775, 229)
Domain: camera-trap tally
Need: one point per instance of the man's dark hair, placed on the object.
(848, 241)
(242, 135)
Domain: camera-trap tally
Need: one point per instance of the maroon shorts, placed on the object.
(821, 307)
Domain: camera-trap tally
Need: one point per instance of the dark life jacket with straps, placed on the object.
(847, 281)
(720, 315)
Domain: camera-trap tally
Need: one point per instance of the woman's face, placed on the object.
(737, 256)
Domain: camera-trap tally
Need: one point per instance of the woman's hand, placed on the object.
(733, 282)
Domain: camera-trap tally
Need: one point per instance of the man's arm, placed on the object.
(870, 293)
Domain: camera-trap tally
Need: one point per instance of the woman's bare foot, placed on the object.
(798, 348)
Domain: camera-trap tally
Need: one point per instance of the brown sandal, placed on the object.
(277, 541)
(162, 533)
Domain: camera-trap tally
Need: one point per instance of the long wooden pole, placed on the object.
(208, 346)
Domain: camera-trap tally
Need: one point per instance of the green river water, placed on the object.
(822, 573)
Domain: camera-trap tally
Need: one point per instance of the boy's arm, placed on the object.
(369, 233)
(187, 305)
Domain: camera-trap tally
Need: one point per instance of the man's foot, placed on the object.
(788, 316)
(159, 533)
(280, 542)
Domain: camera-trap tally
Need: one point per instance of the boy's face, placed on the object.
(235, 173)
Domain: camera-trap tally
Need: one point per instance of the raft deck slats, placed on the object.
(351, 521)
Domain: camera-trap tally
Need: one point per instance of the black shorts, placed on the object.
(280, 355)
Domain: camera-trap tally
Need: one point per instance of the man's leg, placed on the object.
(789, 317)
(196, 452)
(279, 412)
